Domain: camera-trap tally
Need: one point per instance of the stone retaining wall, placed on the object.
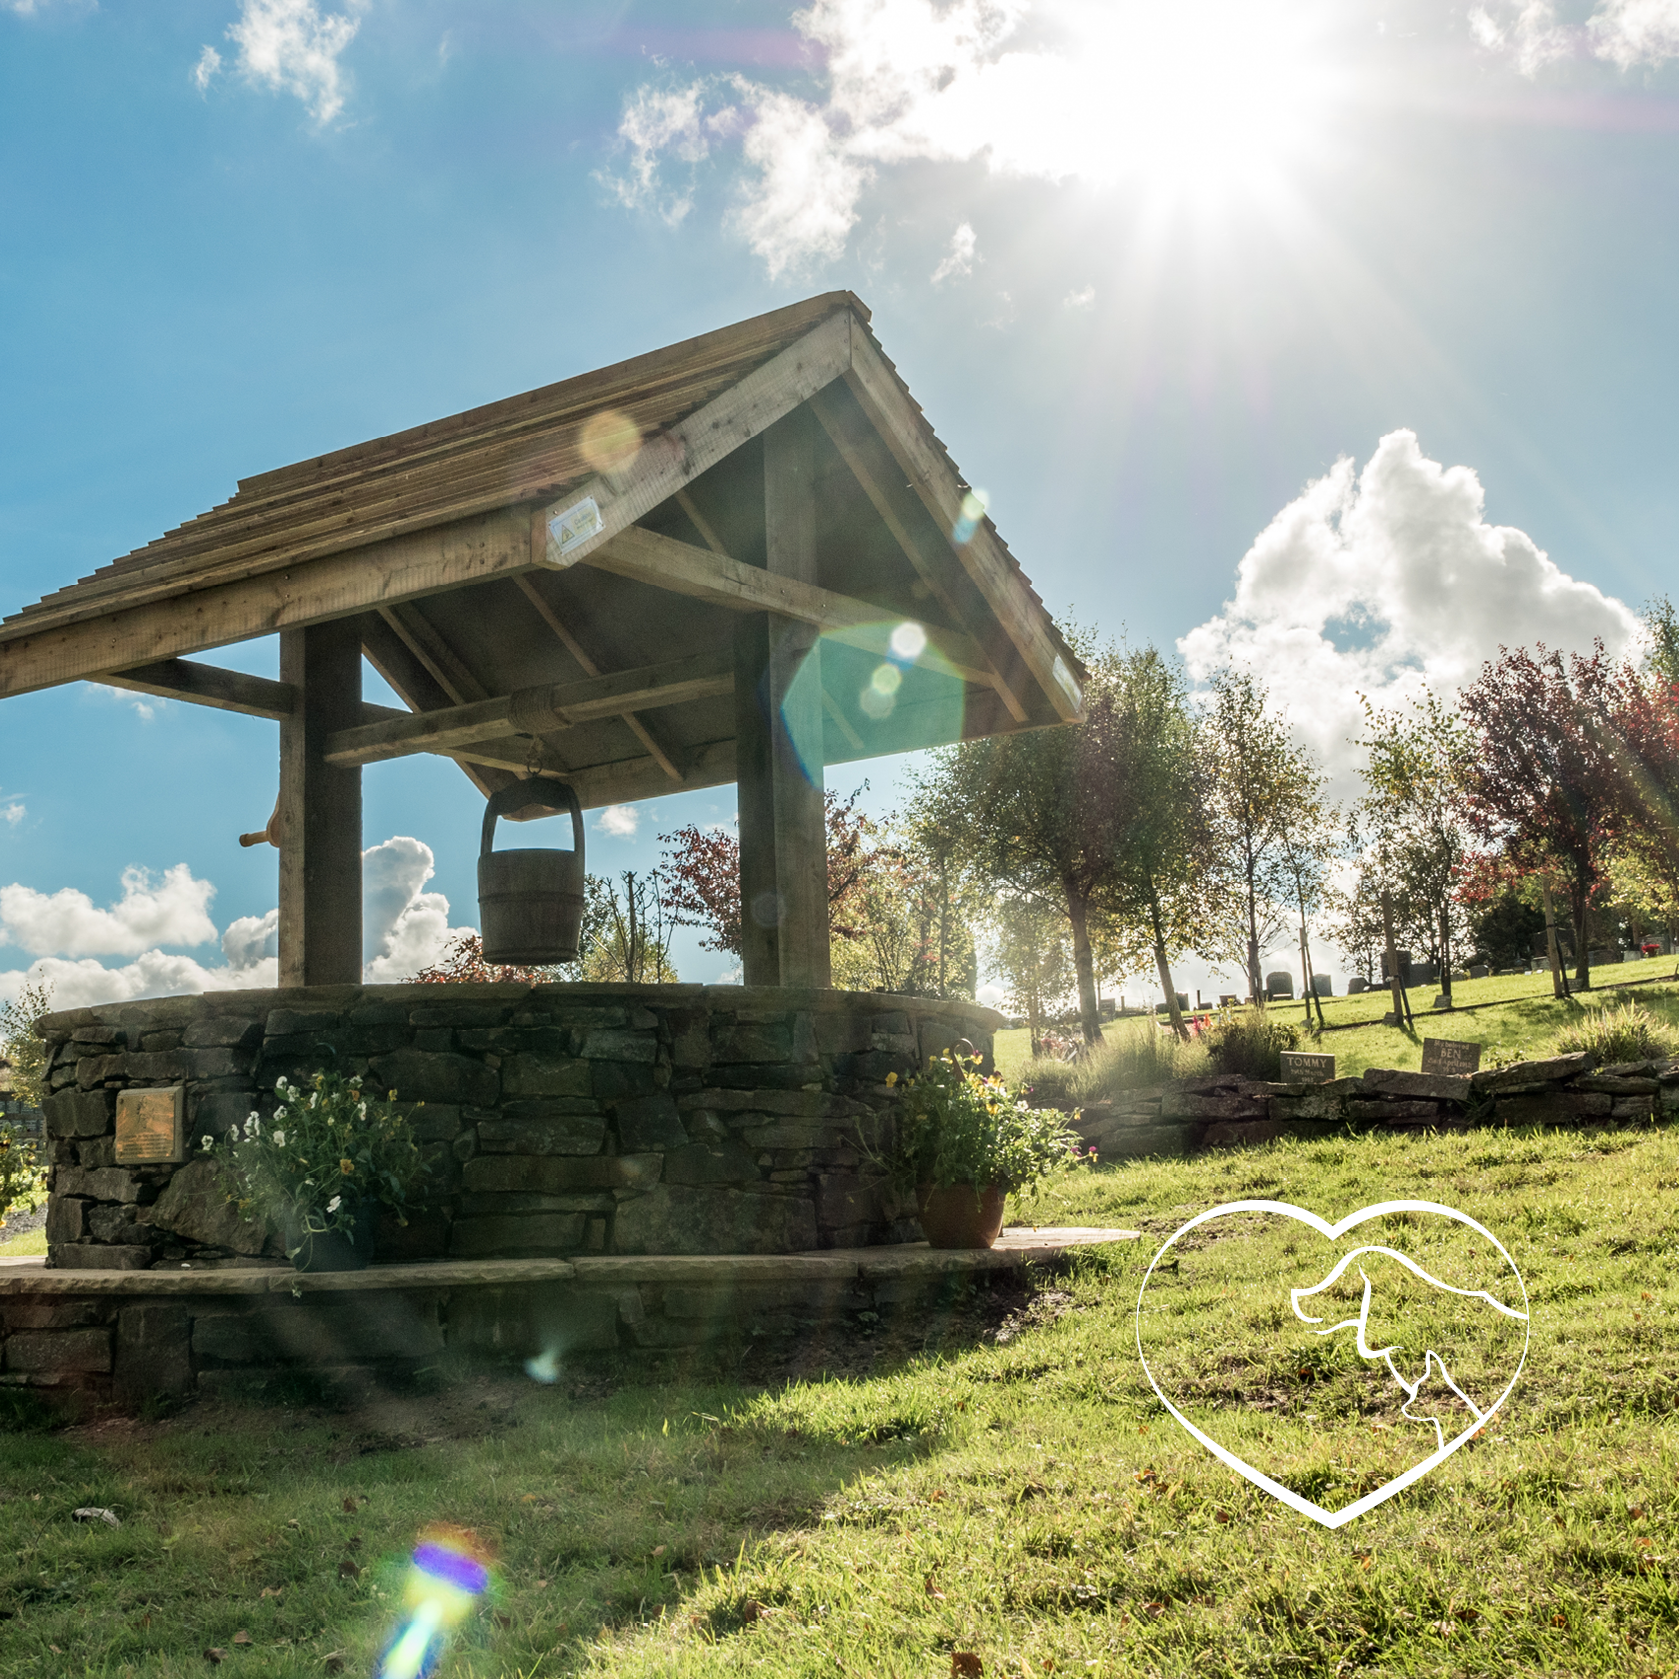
(1224, 1110)
(560, 1118)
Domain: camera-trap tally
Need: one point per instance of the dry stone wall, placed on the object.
(560, 1119)
(1225, 1110)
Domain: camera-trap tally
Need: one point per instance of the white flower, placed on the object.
(279, 1139)
(332, 1205)
(209, 1141)
(280, 1083)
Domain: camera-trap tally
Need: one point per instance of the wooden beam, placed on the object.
(226, 690)
(647, 733)
(696, 444)
(537, 711)
(428, 645)
(319, 824)
(426, 562)
(874, 484)
(895, 416)
(682, 568)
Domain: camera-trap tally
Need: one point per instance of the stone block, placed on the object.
(74, 1113)
(1137, 1142)
(1376, 1112)
(1285, 1108)
(161, 1040)
(91, 1034)
(1553, 1107)
(94, 1152)
(1556, 1068)
(690, 1041)
(561, 1133)
(292, 1023)
(602, 1044)
(1611, 1086)
(1631, 1107)
(1180, 1105)
(209, 1063)
(1444, 1087)
(842, 1034)
(496, 1174)
(1240, 1133)
(196, 1204)
(214, 1113)
(66, 1219)
(493, 1206)
(54, 1351)
(545, 1075)
(115, 1224)
(434, 1122)
(744, 1038)
(797, 1133)
(844, 1201)
(527, 1233)
(223, 1032)
(714, 1220)
(153, 1353)
(102, 1183)
(460, 1014)
(562, 1320)
(698, 1163)
(98, 1256)
(648, 1123)
(229, 1338)
(54, 1312)
(417, 1076)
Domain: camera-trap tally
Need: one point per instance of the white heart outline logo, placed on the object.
(1305, 1506)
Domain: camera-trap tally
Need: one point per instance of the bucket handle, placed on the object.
(518, 795)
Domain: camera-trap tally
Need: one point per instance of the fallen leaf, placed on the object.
(542, 1585)
(1637, 1512)
(1221, 1515)
(1467, 1614)
(272, 1591)
(294, 1522)
(212, 1656)
(752, 1610)
(932, 1590)
(936, 1496)
(1559, 1619)
(1154, 1609)
(658, 1550)
(348, 1570)
(241, 1637)
(529, 1498)
(349, 1506)
(55, 1649)
(96, 1513)
(964, 1662)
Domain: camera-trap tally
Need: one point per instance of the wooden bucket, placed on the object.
(530, 903)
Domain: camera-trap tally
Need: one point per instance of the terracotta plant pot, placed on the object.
(960, 1215)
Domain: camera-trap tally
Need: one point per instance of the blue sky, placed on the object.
(1152, 271)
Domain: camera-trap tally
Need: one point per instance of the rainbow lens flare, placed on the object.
(448, 1574)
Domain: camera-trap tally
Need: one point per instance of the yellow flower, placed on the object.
(891, 1078)
(346, 1167)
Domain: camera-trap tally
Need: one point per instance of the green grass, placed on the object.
(1026, 1499)
(1527, 1023)
(19, 1246)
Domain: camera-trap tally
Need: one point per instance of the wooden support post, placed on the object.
(779, 759)
(320, 809)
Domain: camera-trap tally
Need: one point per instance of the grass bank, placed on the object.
(1015, 1491)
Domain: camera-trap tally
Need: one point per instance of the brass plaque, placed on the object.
(149, 1126)
(1302, 1068)
(1444, 1055)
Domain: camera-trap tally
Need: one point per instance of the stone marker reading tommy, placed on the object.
(1444, 1055)
(1299, 1067)
(149, 1126)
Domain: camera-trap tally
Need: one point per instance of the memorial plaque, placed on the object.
(1443, 1055)
(149, 1126)
(1301, 1068)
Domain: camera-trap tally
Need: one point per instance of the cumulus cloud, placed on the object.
(13, 813)
(292, 47)
(404, 928)
(1079, 299)
(1625, 33)
(1389, 582)
(1050, 89)
(960, 257)
(620, 820)
(173, 910)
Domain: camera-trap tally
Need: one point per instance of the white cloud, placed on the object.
(14, 813)
(171, 911)
(404, 929)
(620, 820)
(252, 940)
(1388, 582)
(1102, 91)
(292, 46)
(1079, 299)
(960, 258)
(1625, 33)
(144, 706)
(204, 71)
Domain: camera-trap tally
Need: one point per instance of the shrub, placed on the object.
(1627, 1032)
(1250, 1044)
(1135, 1055)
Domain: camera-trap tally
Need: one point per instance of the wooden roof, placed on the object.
(610, 645)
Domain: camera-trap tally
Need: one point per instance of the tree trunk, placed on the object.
(1078, 910)
(1256, 986)
(1395, 983)
(1446, 953)
(1165, 968)
(1559, 980)
(1579, 903)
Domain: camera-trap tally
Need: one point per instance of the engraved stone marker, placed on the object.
(1301, 1068)
(149, 1126)
(1443, 1055)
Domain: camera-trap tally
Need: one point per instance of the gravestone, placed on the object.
(1479, 972)
(1300, 1067)
(1279, 984)
(1357, 985)
(1403, 958)
(1444, 1055)
(1323, 985)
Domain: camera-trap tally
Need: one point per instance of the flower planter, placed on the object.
(960, 1215)
(330, 1250)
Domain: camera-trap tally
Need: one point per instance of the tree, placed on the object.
(1309, 845)
(1355, 915)
(21, 1045)
(1414, 812)
(1034, 957)
(1258, 782)
(1547, 778)
(631, 942)
(462, 960)
(699, 874)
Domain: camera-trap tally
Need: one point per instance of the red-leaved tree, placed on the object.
(700, 874)
(1549, 782)
(462, 963)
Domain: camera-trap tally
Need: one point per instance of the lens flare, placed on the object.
(610, 441)
(909, 642)
(974, 504)
(881, 694)
(545, 1367)
(448, 1574)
